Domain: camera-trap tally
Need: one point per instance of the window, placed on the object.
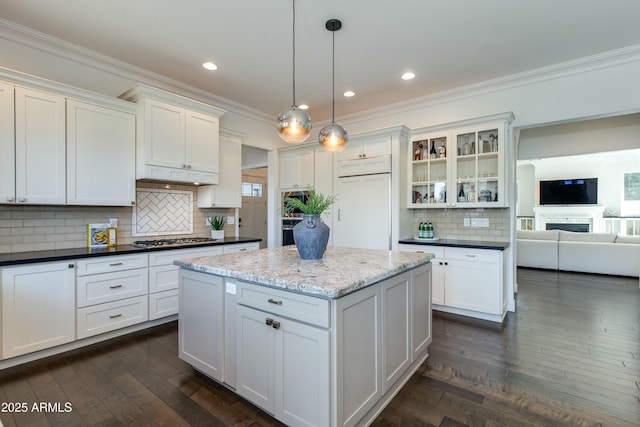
(251, 189)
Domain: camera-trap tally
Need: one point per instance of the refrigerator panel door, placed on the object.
(362, 212)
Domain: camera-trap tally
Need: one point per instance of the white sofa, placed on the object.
(599, 253)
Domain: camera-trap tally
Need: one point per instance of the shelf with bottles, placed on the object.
(429, 193)
(430, 150)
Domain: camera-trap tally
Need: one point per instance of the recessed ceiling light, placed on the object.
(408, 76)
(210, 66)
(303, 106)
(349, 93)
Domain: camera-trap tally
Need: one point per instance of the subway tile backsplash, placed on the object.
(449, 224)
(25, 228)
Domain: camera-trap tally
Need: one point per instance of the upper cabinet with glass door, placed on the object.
(459, 166)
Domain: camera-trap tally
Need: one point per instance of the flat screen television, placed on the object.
(581, 191)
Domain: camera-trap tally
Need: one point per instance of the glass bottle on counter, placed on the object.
(421, 230)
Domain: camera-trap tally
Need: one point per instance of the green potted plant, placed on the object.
(311, 234)
(217, 226)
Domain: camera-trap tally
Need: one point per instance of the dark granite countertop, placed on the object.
(498, 246)
(17, 258)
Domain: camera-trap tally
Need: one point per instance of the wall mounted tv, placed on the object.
(582, 191)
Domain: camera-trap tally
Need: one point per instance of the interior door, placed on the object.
(253, 213)
(362, 212)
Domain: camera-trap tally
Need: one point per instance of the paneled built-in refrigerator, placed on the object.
(362, 212)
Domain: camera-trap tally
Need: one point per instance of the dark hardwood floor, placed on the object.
(569, 356)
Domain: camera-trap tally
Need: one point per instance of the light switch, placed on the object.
(231, 220)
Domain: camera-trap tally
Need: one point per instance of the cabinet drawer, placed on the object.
(98, 288)
(241, 247)
(110, 316)
(163, 278)
(163, 304)
(477, 255)
(110, 263)
(282, 303)
(167, 257)
(437, 251)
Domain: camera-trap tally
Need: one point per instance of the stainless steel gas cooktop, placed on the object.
(163, 243)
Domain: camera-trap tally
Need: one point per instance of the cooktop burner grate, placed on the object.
(172, 242)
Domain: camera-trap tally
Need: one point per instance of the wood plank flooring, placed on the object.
(569, 356)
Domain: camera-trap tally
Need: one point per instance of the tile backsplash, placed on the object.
(26, 228)
(161, 211)
(449, 224)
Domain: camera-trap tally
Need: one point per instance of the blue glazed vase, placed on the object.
(311, 236)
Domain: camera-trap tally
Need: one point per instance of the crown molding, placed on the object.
(553, 72)
(62, 49)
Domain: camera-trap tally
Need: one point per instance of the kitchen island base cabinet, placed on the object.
(308, 360)
(201, 324)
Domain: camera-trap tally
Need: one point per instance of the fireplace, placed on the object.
(587, 218)
(580, 228)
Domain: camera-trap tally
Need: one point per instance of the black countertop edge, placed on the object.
(17, 258)
(472, 244)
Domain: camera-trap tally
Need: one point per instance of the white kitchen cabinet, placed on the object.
(7, 145)
(164, 278)
(201, 326)
(241, 247)
(421, 315)
(366, 148)
(38, 307)
(40, 152)
(279, 336)
(297, 168)
(227, 193)
(111, 293)
(177, 138)
(467, 281)
(396, 328)
(459, 165)
(323, 183)
(100, 155)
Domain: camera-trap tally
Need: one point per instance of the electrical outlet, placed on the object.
(467, 222)
(480, 222)
(207, 221)
(231, 220)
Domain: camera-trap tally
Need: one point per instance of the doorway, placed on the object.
(253, 213)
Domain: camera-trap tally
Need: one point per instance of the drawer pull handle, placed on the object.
(470, 256)
(269, 321)
(115, 286)
(276, 325)
(115, 316)
(115, 264)
(272, 301)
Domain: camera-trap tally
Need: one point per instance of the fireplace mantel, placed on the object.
(569, 214)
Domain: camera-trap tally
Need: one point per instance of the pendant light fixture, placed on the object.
(333, 137)
(294, 124)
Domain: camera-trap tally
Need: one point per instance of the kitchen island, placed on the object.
(313, 342)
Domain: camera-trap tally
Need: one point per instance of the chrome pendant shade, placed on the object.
(333, 137)
(294, 124)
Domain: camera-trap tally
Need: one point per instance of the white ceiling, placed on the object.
(446, 43)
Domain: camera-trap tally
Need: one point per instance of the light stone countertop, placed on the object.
(340, 272)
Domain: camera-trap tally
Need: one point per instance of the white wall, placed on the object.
(526, 198)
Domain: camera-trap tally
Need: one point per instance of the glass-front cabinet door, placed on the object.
(429, 171)
(461, 166)
(478, 170)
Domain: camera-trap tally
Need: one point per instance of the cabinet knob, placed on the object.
(268, 321)
(276, 325)
(22, 199)
(11, 199)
